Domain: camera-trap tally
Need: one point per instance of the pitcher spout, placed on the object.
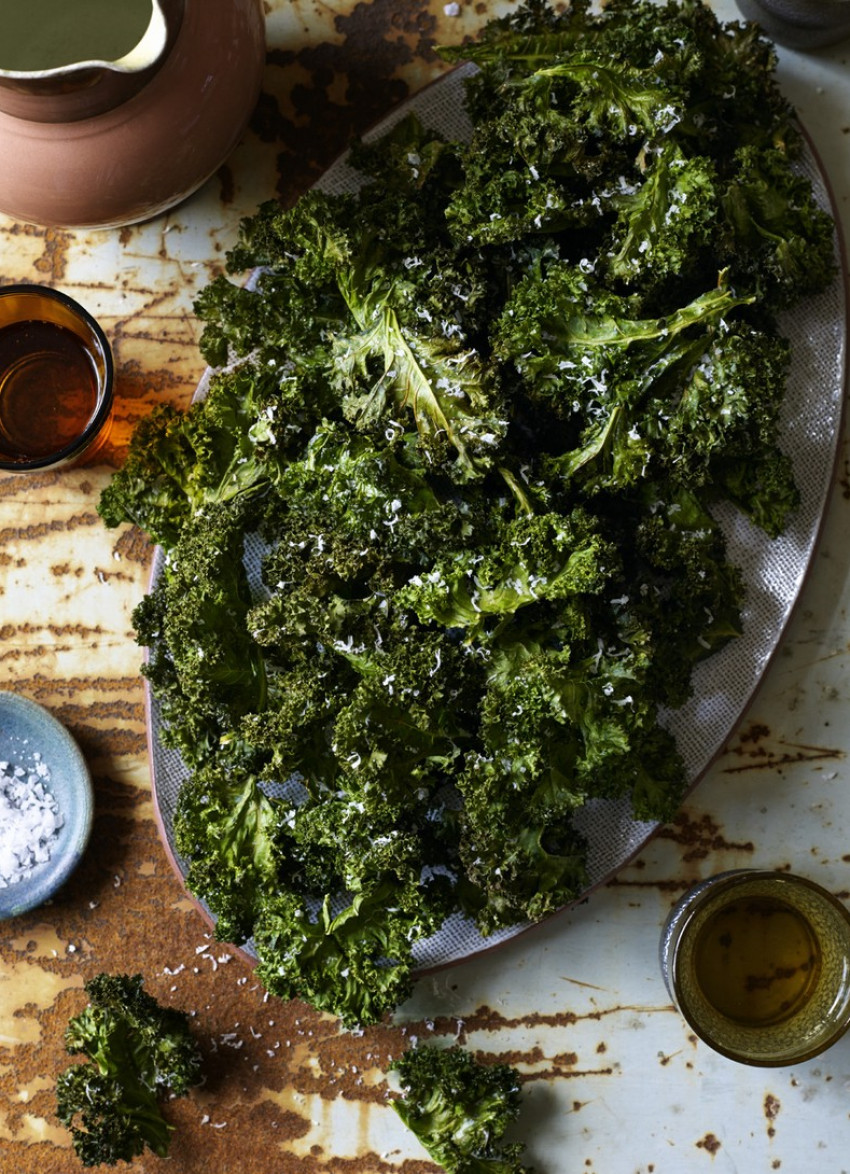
(149, 49)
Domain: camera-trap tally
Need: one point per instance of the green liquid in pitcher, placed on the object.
(50, 34)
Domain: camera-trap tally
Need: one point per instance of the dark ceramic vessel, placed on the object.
(100, 144)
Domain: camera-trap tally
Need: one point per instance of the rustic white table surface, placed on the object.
(614, 1081)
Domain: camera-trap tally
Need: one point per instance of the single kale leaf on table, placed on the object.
(138, 1053)
(476, 418)
(460, 1109)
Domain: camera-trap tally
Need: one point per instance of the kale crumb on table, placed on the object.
(478, 414)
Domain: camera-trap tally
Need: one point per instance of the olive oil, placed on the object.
(758, 964)
(49, 388)
(757, 960)
(50, 34)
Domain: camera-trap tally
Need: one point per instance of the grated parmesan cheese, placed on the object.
(29, 820)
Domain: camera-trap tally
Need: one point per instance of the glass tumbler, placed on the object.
(56, 379)
(758, 964)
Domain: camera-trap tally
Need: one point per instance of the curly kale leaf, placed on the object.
(281, 318)
(691, 595)
(204, 666)
(525, 858)
(613, 377)
(527, 38)
(664, 223)
(538, 557)
(141, 1053)
(180, 462)
(230, 831)
(385, 369)
(353, 961)
(460, 1109)
(559, 726)
(611, 98)
(410, 160)
(388, 735)
(773, 234)
(723, 436)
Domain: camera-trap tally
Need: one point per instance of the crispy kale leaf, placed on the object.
(691, 398)
(140, 1054)
(230, 832)
(352, 958)
(775, 237)
(181, 462)
(204, 664)
(460, 1109)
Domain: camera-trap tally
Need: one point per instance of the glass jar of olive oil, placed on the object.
(758, 963)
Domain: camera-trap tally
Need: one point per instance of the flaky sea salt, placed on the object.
(29, 820)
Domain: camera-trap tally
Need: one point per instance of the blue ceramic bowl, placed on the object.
(32, 739)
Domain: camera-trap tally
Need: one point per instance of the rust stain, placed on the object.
(709, 1143)
(700, 836)
(8, 632)
(134, 384)
(771, 1112)
(562, 1065)
(36, 530)
(18, 653)
(751, 747)
(78, 687)
(10, 486)
(772, 760)
(531, 1056)
(107, 576)
(756, 732)
(326, 94)
(134, 546)
(555, 1072)
(844, 477)
(592, 986)
(54, 259)
(486, 1019)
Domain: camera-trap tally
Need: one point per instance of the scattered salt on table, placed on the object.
(29, 820)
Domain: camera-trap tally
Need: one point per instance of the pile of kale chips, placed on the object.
(479, 414)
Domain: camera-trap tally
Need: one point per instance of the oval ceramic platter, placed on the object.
(774, 570)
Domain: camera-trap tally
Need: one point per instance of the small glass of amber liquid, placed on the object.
(758, 964)
(56, 379)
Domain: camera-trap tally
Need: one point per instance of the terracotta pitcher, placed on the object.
(100, 141)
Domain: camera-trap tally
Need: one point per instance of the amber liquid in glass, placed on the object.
(48, 389)
(757, 960)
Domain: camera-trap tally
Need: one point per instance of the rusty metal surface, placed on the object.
(615, 1084)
